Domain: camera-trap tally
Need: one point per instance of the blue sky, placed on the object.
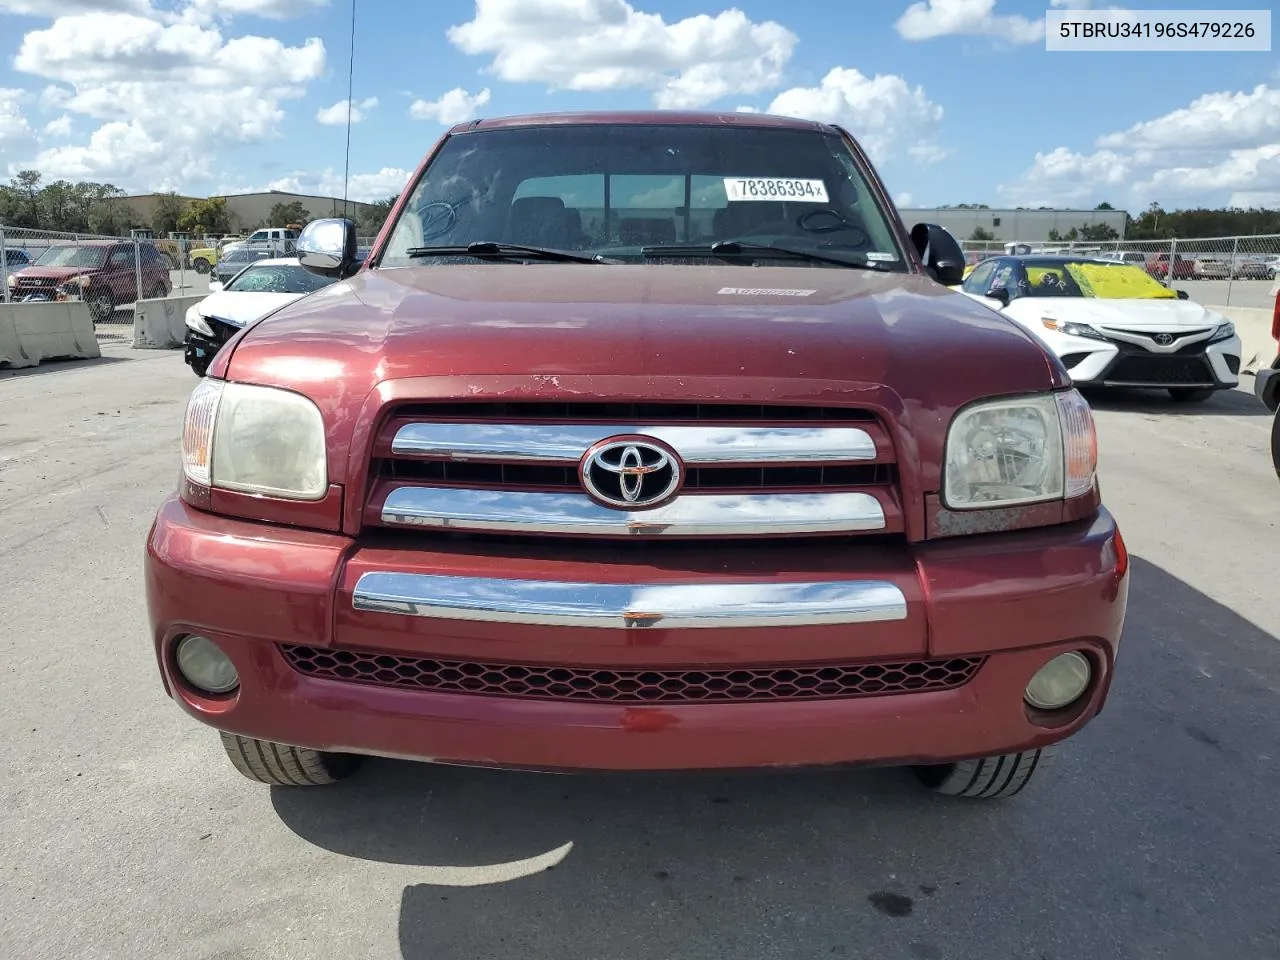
(957, 100)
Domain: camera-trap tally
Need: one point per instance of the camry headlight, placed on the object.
(1072, 329)
(197, 322)
(1225, 331)
(260, 440)
(1020, 450)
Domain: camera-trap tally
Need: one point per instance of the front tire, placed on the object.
(281, 765)
(1190, 394)
(1275, 442)
(987, 778)
(202, 266)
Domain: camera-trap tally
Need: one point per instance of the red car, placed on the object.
(1183, 269)
(103, 273)
(639, 441)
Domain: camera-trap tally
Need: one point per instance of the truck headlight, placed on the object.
(260, 440)
(197, 322)
(1020, 450)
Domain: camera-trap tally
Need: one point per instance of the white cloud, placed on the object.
(363, 186)
(1223, 147)
(598, 45)
(58, 8)
(903, 199)
(270, 9)
(61, 127)
(881, 112)
(930, 19)
(337, 114)
(13, 124)
(168, 92)
(454, 106)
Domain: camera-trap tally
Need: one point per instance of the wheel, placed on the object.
(284, 766)
(1275, 442)
(157, 292)
(1190, 394)
(202, 266)
(102, 305)
(988, 778)
(200, 367)
(170, 261)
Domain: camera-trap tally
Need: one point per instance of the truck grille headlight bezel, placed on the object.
(264, 441)
(1024, 450)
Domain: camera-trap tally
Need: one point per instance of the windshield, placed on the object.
(277, 278)
(1089, 278)
(72, 256)
(611, 189)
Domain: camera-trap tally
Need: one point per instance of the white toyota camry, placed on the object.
(1112, 324)
(262, 287)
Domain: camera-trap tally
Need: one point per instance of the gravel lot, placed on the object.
(127, 835)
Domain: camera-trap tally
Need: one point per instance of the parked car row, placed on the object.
(103, 273)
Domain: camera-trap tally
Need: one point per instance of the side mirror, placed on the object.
(1001, 294)
(1183, 295)
(940, 252)
(215, 286)
(328, 247)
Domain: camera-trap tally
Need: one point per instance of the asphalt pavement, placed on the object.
(126, 834)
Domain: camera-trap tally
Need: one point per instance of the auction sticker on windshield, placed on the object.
(775, 188)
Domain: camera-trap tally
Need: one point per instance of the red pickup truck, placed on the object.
(639, 441)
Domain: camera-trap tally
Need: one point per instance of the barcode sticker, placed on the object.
(775, 189)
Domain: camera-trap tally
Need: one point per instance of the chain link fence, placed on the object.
(1218, 271)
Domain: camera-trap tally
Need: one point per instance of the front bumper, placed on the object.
(1112, 364)
(1012, 600)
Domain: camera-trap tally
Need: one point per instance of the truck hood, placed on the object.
(1156, 315)
(897, 343)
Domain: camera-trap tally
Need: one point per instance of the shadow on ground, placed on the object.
(1223, 403)
(1154, 835)
(56, 366)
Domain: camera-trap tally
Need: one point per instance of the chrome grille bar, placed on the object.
(566, 443)
(629, 606)
(577, 514)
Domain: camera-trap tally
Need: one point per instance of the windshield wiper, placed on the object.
(743, 248)
(491, 249)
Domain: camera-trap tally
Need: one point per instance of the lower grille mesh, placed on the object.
(541, 682)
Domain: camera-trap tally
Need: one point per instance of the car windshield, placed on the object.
(277, 278)
(613, 189)
(1091, 278)
(72, 256)
(241, 255)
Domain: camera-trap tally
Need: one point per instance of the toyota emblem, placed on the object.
(1164, 339)
(631, 473)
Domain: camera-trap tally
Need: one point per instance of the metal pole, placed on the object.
(1231, 270)
(4, 266)
(1173, 258)
(137, 270)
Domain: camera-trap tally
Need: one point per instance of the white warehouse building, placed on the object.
(1030, 226)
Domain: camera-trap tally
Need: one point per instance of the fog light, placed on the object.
(203, 664)
(1060, 682)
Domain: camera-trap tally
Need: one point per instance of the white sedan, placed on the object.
(262, 287)
(1111, 324)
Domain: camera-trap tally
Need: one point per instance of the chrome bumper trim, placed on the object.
(705, 515)
(566, 443)
(628, 605)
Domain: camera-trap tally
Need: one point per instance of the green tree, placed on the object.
(283, 214)
(26, 193)
(371, 218)
(1104, 206)
(207, 217)
(168, 213)
(981, 233)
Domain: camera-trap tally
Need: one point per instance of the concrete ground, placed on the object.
(126, 834)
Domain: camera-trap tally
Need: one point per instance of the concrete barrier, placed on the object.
(161, 324)
(1254, 326)
(32, 332)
